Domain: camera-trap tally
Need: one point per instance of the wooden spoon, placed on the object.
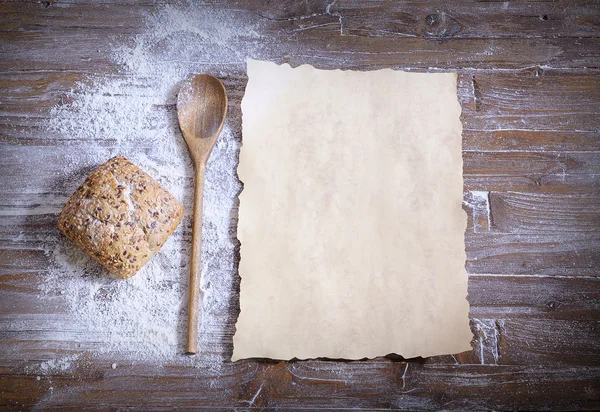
(201, 109)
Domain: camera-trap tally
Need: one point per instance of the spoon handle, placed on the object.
(196, 263)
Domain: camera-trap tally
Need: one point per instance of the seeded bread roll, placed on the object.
(120, 216)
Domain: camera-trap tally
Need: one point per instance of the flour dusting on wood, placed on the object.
(133, 112)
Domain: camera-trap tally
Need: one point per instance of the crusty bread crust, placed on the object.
(120, 216)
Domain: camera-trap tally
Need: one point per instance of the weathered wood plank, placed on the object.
(533, 164)
(18, 17)
(316, 38)
(525, 212)
(564, 184)
(528, 140)
(531, 101)
(368, 18)
(540, 297)
(434, 19)
(549, 328)
(533, 254)
(542, 213)
(22, 261)
(34, 51)
(547, 342)
(34, 93)
(317, 385)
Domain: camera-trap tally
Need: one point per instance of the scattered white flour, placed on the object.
(133, 112)
(52, 366)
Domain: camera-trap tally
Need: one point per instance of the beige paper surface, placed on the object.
(350, 220)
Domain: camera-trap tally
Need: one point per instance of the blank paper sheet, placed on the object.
(350, 220)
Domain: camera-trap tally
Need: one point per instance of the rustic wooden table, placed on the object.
(529, 86)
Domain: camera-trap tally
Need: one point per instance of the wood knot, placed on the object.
(433, 20)
(441, 25)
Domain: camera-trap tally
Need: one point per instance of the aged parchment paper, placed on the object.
(350, 220)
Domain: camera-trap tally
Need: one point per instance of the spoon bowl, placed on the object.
(201, 110)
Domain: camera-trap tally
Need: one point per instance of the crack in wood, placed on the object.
(476, 94)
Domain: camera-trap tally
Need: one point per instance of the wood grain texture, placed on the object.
(380, 384)
(486, 19)
(530, 95)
